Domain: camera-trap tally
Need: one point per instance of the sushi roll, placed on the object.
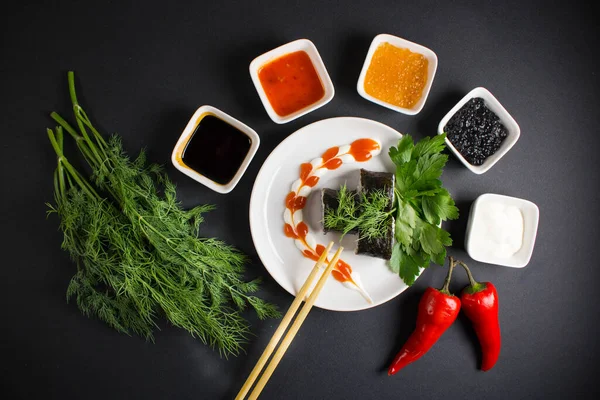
(370, 181)
(329, 201)
(382, 247)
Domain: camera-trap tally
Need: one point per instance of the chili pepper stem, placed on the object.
(475, 286)
(444, 288)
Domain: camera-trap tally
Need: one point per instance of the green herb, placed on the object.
(369, 213)
(137, 251)
(421, 204)
(345, 217)
(374, 215)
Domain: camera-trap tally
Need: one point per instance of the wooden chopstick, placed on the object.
(283, 325)
(287, 340)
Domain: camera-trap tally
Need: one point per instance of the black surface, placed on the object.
(144, 68)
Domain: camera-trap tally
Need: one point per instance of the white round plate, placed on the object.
(279, 254)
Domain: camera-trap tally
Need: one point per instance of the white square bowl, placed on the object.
(507, 120)
(188, 132)
(291, 47)
(530, 213)
(402, 43)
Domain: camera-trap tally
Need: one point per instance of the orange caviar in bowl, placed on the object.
(396, 76)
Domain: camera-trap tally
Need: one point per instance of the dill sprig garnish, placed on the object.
(137, 250)
(368, 213)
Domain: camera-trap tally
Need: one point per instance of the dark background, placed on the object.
(143, 68)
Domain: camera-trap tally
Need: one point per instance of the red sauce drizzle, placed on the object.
(311, 255)
(289, 200)
(343, 271)
(320, 249)
(312, 181)
(334, 163)
(299, 202)
(289, 231)
(293, 202)
(305, 169)
(361, 151)
(302, 230)
(344, 267)
(330, 153)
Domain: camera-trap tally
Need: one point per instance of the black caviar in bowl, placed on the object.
(475, 131)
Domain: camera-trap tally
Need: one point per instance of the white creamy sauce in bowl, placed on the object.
(498, 230)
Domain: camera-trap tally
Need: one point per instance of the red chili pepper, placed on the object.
(480, 303)
(438, 309)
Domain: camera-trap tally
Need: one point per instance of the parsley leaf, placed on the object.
(429, 239)
(429, 145)
(403, 152)
(429, 168)
(422, 203)
(439, 207)
(396, 258)
(405, 175)
(439, 258)
(405, 264)
(406, 219)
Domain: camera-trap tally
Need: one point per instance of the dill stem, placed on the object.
(86, 120)
(80, 113)
(61, 178)
(72, 93)
(60, 138)
(91, 159)
(69, 180)
(55, 116)
(57, 148)
(63, 162)
(88, 140)
(57, 189)
(87, 154)
(60, 172)
(81, 181)
(77, 111)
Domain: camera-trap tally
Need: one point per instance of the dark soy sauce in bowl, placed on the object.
(216, 149)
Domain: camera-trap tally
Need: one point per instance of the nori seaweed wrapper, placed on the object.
(382, 247)
(329, 200)
(370, 181)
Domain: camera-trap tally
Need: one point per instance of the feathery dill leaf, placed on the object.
(137, 250)
(374, 217)
(368, 213)
(344, 218)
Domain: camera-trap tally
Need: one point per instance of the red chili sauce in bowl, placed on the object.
(291, 83)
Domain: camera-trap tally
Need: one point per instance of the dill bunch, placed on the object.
(367, 213)
(137, 250)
